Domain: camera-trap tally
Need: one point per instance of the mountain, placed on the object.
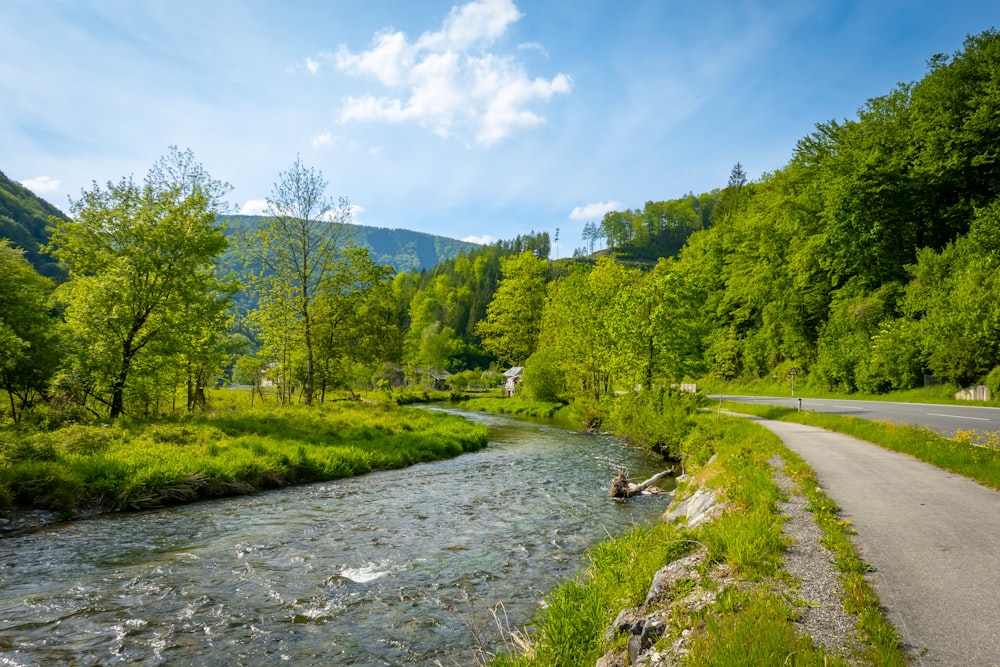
(24, 219)
(402, 249)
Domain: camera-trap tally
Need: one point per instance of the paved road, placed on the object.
(933, 538)
(944, 419)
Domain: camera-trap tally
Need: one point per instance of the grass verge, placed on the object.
(967, 455)
(135, 463)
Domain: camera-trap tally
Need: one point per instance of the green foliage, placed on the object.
(513, 318)
(29, 346)
(543, 379)
(142, 286)
(655, 419)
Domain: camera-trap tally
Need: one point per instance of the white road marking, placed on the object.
(934, 414)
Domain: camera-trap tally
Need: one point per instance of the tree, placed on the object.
(353, 320)
(513, 318)
(28, 344)
(141, 258)
(298, 247)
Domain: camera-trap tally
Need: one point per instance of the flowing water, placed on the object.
(391, 568)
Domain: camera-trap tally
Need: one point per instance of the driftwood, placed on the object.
(621, 487)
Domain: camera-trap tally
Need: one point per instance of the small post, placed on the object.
(800, 405)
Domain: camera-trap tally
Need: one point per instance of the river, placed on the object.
(400, 567)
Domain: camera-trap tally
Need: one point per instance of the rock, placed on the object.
(695, 508)
(644, 634)
(623, 623)
(667, 576)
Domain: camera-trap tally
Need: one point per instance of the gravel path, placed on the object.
(822, 616)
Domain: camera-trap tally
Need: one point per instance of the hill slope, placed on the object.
(24, 219)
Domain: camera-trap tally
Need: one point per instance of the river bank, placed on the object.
(765, 575)
(82, 470)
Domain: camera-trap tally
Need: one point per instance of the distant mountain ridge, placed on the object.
(24, 219)
(403, 249)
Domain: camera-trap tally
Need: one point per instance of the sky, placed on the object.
(479, 120)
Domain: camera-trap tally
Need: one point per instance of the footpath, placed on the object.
(932, 538)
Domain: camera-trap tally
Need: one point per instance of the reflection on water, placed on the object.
(396, 567)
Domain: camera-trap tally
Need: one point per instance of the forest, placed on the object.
(868, 263)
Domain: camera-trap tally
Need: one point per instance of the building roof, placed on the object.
(513, 372)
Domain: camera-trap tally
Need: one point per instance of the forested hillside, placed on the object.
(868, 262)
(24, 220)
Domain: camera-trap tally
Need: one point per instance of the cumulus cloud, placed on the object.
(595, 211)
(253, 207)
(312, 65)
(42, 184)
(447, 81)
(485, 239)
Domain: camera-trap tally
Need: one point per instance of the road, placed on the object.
(932, 537)
(944, 419)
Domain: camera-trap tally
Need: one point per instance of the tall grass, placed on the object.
(138, 463)
(568, 630)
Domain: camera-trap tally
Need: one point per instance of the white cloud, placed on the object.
(485, 239)
(42, 184)
(595, 211)
(312, 65)
(446, 80)
(322, 139)
(253, 207)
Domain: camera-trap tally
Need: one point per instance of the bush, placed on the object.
(544, 380)
(992, 383)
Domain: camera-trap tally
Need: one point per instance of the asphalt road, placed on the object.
(945, 419)
(933, 538)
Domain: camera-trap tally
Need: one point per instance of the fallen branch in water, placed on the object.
(621, 487)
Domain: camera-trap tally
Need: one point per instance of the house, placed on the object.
(441, 380)
(513, 377)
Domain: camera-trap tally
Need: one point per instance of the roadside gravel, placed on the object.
(820, 614)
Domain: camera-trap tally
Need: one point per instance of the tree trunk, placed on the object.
(621, 487)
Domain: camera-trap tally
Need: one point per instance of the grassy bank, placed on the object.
(972, 455)
(136, 463)
(749, 615)
(515, 406)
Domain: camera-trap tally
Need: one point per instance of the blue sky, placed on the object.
(477, 120)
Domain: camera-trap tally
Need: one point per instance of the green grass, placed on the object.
(751, 621)
(944, 394)
(980, 462)
(137, 463)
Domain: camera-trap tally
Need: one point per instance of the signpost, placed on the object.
(792, 373)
